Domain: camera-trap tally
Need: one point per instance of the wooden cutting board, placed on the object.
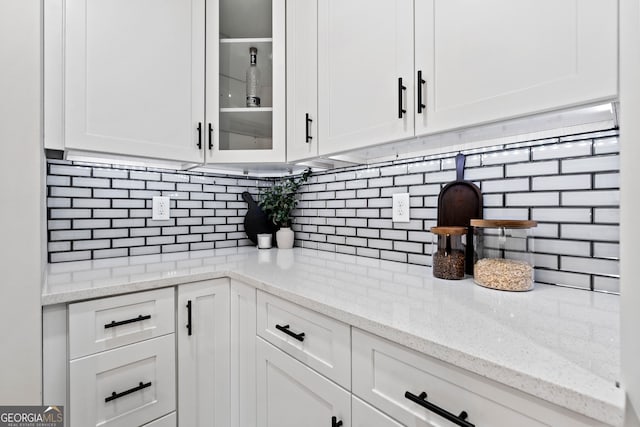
(459, 202)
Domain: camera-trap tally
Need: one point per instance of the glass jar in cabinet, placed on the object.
(504, 254)
(448, 252)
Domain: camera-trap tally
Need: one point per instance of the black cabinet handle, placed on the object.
(115, 395)
(140, 318)
(189, 317)
(421, 82)
(199, 135)
(401, 90)
(308, 138)
(210, 137)
(335, 422)
(421, 400)
(285, 329)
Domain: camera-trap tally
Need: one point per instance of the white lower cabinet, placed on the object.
(364, 415)
(243, 355)
(419, 390)
(125, 387)
(170, 420)
(203, 353)
(292, 395)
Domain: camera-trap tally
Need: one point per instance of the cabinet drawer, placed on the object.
(383, 372)
(141, 375)
(166, 421)
(325, 345)
(108, 323)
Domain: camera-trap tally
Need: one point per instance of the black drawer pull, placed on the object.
(421, 82)
(285, 329)
(308, 137)
(401, 89)
(335, 422)
(140, 318)
(460, 420)
(115, 395)
(189, 317)
(210, 137)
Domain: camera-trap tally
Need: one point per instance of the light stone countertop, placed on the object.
(561, 345)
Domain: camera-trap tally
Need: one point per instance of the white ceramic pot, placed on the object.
(284, 237)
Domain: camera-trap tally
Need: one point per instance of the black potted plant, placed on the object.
(278, 201)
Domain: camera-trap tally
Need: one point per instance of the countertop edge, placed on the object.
(601, 410)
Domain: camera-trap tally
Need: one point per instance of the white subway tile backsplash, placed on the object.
(70, 256)
(606, 250)
(607, 180)
(440, 177)
(415, 179)
(425, 166)
(533, 169)
(59, 202)
(591, 198)
(112, 194)
(610, 233)
(606, 146)
(69, 213)
(484, 173)
(57, 180)
(561, 215)
(592, 164)
(394, 170)
(506, 213)
(69, 170)
(532, 199)
(567, 182)
(590, 265)
(563, 278)
(70, 192)
(410, 247)
(507, 156)
(561, 247)
(349, 210)
(562, 150)
(110, 233)
(606, 284)
(607, 215)
(505, 185)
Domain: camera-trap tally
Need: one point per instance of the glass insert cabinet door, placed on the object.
(245, 104)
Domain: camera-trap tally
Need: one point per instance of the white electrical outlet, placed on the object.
(161, 209)
(400, 211)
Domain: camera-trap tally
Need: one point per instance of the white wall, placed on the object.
(20, 199)
(630, 202)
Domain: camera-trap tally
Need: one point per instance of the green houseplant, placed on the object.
(278, 201)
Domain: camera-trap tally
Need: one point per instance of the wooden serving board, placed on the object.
(459, 202)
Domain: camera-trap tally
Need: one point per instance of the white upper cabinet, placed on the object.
(364, 48)
(302, 79)
(462, 63)
(237, 133)
(134, 77)
(499, 59)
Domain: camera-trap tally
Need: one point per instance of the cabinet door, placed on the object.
(499, 59)
(364, 48)
(237, 133)
(203, 353)
(302, 79)
(367, 416)
(243, 355)
(134, 82)
(292, 395)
